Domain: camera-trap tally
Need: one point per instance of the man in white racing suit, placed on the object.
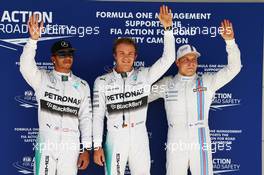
(187, 99)
(122, 97)
(64, 108)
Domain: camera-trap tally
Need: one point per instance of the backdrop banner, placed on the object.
(92, 27)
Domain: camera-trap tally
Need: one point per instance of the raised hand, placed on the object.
(165, 16)
(228, 32)
(35, 28)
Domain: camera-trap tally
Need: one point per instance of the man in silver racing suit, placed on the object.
(187, 99)
(122, 97)
(64, 108)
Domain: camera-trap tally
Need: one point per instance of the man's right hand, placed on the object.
(228, 31)
(99, 157)
(35, 28)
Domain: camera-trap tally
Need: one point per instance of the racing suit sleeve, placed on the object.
(28, 66)
(233, 67)
(164, 63)
(99, 109)
(157, 90)
(85, 119)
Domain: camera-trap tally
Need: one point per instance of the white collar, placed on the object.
(119, 74)
(185, 78)
(60, 74)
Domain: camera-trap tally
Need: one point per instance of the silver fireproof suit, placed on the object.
(187, 103)
(64, 115)
(123, 100)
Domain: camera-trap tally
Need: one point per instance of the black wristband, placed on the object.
(87, 149)
(168, 28)
(97, 148)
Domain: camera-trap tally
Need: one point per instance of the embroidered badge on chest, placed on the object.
(64, 78)
(135, 77)
(76, 85)
(200, 89)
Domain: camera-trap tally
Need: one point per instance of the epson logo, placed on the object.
(23, 16)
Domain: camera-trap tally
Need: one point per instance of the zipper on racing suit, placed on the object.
(61, 119)
(187, 114)
(124, 77)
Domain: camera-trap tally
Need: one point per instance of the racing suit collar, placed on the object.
(59, 75)
(119, 75)
(180, 77)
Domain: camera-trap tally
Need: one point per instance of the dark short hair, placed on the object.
(125, 40)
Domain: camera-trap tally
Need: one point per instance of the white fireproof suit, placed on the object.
(187, 103)
(64, 114)
(125, 101)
